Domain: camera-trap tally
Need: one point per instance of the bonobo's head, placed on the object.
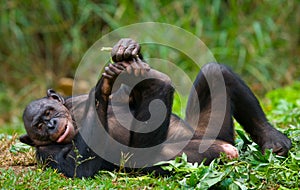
(48, 121)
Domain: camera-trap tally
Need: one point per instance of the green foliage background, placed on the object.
(42, 41)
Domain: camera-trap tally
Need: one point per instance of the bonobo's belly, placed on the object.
(121, 121)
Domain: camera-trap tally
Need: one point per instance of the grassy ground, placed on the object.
(18, 168)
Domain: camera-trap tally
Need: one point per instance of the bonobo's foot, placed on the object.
(129, 51)
(126, 50)
(275, 140)
(230, 151)
(127, 57)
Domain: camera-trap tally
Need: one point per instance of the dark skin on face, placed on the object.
(48, 121)
(51, 129)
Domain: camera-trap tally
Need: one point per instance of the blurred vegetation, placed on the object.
(43, 41)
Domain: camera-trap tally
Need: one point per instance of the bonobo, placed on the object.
(129, 112)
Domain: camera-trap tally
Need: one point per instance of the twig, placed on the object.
(106, 49)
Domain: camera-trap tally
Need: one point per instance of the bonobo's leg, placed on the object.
(240, 102)
(211, 96)
(150, 98)
(248, 112)
(209, 112)
(211, 152)
(152, 105)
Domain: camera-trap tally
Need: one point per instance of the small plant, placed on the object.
(124, 159)
(78, 159)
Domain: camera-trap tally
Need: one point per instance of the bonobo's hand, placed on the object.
(126, 50)
(136, 67)
(276, 141)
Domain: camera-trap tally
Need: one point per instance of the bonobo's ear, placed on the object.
(27, 140)
(53, 95)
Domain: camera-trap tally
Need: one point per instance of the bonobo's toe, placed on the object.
(281, 147)
(275, 140)
(230, 151)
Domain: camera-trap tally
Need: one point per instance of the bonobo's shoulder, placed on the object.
(75, 101)
(81, 105)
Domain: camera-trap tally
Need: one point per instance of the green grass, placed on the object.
(252, 170)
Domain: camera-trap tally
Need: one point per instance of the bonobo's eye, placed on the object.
(47, 113)
(40, 125)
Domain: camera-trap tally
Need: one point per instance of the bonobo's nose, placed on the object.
(52, 123)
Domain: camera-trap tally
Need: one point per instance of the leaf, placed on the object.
(226, 182)
(241, 186)
(193, 180)
(243, 136)
(19, 147)
(233, 186)
(213, 178)
(184, 157)
(296, 156)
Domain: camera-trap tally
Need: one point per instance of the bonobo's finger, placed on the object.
(120, 53)
(129, 69)
(125, 50)
(124, 64)
(115, 49)
(114, 69)
(108, 71)
(280, 150)
(136, 68)
(128, 52)
(119, 66)
(141, 65)
(136, 51)
(125, 42)
(230, 151)
(127, 66)
(143, 70)
(113, 53)
(144, 66)
(106, 76)
(133, 64)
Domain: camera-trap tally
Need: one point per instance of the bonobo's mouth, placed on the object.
(65, 133)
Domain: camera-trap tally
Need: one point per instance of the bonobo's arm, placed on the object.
(102, 92)
(125, 49)
(151, 94)
(127, 57)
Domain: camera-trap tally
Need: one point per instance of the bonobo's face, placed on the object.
(48, 121)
